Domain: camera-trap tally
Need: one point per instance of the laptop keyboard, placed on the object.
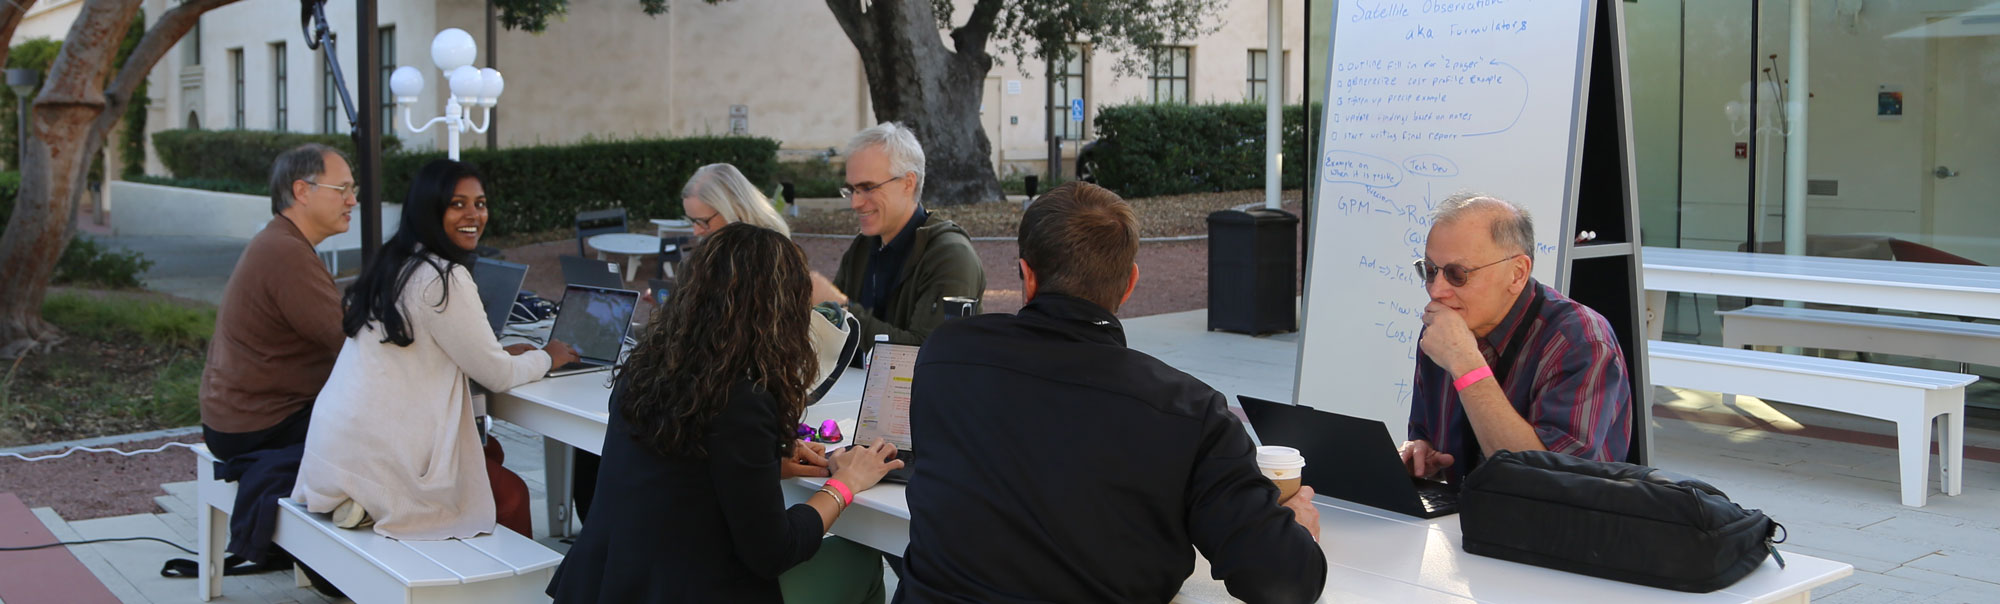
(1437, 499)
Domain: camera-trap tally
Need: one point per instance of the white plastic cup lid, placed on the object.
(1271, 456)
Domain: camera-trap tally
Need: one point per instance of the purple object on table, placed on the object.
(830, 431)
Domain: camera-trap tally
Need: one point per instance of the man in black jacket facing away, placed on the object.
(1060, 465)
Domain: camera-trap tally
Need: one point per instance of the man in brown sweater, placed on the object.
(278, 330)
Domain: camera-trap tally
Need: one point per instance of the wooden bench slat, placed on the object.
(1835, 368)
(524, 555)
(1815, 315)
(455, 555)
(408, 566)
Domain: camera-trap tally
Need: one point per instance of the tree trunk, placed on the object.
(73, 116)
(914, 79)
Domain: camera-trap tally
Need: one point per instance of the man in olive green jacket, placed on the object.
(905, 261)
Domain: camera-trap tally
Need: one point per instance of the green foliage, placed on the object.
(155, 322)
(87, 263)
(541, 188)
(36, 54)
(206, 184)
(10, 184)
(240, 155)
(812, 178)
(132, 141)
(1146, 150)
(534, 15)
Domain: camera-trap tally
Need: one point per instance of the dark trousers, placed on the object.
(289, 431)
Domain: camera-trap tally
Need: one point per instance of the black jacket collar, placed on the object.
(1083, 318)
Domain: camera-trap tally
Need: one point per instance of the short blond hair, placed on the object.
(724, 188)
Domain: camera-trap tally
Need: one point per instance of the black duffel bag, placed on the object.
(1618, 521)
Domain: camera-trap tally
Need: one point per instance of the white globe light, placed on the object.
(452, 49)
(407, 82)
(491, 81)
(465, 83)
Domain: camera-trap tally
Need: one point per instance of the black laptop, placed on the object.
(499, 281)
(1349, 458)
(885, 404)
(578, 270)
(593, 321)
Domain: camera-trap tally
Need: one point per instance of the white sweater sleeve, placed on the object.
(460, 329)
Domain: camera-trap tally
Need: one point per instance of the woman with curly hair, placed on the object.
(702, 427)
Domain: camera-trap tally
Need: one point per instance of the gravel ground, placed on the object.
(96, 485)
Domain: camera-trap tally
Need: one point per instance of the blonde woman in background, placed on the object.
(719, 195)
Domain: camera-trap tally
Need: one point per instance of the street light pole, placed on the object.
(23, 81)
(453, 51)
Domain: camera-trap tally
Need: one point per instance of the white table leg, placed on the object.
(555, 467)
(632, 268)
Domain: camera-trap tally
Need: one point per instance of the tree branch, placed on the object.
(10, 19)
(970, 39)
(855, 22)
(159, 39)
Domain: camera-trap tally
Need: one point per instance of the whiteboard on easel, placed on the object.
(1428, 98)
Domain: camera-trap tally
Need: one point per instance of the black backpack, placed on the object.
(1618, 521)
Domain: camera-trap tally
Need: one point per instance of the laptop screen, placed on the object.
(593, 321)
(578, 270)
(499, 282)
(885, 397)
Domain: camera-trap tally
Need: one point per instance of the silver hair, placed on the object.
(724, 188)
(905, 154)
(303, 162)
(1513, 228)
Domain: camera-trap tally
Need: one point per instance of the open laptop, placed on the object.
(1349, 458)
(499, 281)
(661, 289)
(593, 321)
(885, 404)
(578, 270)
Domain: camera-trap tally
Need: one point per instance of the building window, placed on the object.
(1070, 90)
(236, 74)
(329, 99)
(1259, 78)
(388, 67)
(1170, 74)
(191, 49)
(280, 119)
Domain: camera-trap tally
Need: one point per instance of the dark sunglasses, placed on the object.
(1454, 273)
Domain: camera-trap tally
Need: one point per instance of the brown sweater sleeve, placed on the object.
(311, 305)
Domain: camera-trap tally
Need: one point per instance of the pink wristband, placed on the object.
(1472, 377)
(846, 494)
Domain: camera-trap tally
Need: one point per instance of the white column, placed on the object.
(1274, 74)
(1795, 136)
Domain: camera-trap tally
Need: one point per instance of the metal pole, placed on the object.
(1750, 229)
(1274, 75)
(368, 128)
(1795, 134)
(1050, 115)
(493, 61)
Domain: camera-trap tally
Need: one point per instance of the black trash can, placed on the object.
(1252, 265)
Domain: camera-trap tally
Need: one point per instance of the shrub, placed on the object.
(206, 184)
(1146, 150)
(85, 262)
(240, 155)
(813, 178)
(156, 322)
(542, 188)
(10, 184)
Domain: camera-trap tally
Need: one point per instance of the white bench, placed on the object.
(499, 567)
(1961, 341)
(1911, 398)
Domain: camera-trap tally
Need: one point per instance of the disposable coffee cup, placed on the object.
(1284, 466)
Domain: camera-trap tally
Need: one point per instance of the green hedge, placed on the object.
(1145, 150)
(240, 155)
(84, 262)
(531, 189)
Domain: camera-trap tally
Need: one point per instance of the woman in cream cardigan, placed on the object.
(392, 438)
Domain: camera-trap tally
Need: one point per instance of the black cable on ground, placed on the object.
(90, 541)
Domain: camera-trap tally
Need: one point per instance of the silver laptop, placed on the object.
(499, 282)
(593, 321)
(885, 404)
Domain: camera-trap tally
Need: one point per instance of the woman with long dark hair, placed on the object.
(688, 506)
(392, 439)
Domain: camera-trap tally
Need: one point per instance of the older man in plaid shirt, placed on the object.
(1507, 363)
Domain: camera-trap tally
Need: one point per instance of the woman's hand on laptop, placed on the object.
(864, 465)
(1303, 510)
(559, 353)
(518, 348)
(808, 459)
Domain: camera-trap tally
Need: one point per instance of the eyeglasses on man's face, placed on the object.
(849, 191)
(1456, 274)
(347, 191)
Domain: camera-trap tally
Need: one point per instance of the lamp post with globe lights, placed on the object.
(452, 51)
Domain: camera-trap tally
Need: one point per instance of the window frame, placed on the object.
(1177, 78)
